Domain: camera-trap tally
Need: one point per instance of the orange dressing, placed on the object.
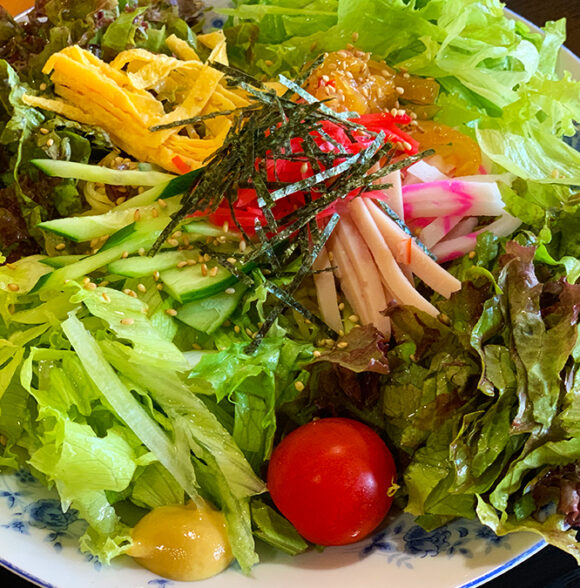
(15, 7)
(182, 542)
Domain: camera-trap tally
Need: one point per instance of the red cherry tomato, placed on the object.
(333, 479)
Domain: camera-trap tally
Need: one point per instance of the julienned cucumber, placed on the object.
(142, 266)
(129, 240)
(207, 314)
(61, 260)
(206, 229)
(86, 228)
(193, 282)
(100, 174)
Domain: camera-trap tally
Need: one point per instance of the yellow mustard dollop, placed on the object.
(182, 542)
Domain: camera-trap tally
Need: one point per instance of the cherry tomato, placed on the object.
(333, 479)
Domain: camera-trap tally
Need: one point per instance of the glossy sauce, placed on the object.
(182, 542)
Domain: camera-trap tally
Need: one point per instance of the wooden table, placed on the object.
(540, 11)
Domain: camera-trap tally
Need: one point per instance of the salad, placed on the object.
(267, 283)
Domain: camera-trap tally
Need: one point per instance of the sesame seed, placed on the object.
(129, 292)
(330, 256)
(355, 36)
(412, 357)
(230, 290)
(137, 215)
(242, 245)
(91, 286)
(342, 345)
(171, 312)
(316, 353)
(127, 321)
(329, 343)
(86, 281)
(162, 203)
(213, 271)
(399, 90)
(406, 75)
(268, 62)
(185, 240)
(471, 254)
(155, 213)
(406, 146)
(236, 329)
(197, 346)
(206, 257)
(222, 239)
(42, 87)
(13, 287)
(60, 247)
(141, 251)
(325, 78)
(142, 288)
(160, 287)
(182, 264)
(173, 242)
(555, 173)
(191, 262)
(304, 169)
(341, 306)
(444, 319)
(203, 269)
(156, 275)
(341, 333)
(354, 318)
(106, 297)
(226, 227)
(365, 92)
(232, 260)
(50, 143)
(349, 47)
(120, 200)
(44, 131)
(299, 386)
(394, 112)
(104, 283)
(125, 254)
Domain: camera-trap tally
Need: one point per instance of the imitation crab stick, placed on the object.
(452, 197)
(421, 264)
(391, 274)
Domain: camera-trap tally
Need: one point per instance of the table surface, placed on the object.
(550, 568)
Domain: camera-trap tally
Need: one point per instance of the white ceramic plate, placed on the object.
(39, 542)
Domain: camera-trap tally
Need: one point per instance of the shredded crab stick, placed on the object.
(326, 291)
(393, 195)
(452, 197)
(453, 248)
(393, 277)
(421, 264)
(423, 172)
(355, 290)
(437, 230)
(366, 272)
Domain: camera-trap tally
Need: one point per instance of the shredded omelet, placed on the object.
(139, 90)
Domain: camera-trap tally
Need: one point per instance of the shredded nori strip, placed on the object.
(264, 134)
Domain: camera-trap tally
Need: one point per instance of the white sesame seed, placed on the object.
(142, 288)
(173, 242)
(50, 143)
(171, 312)
(43, 87)
(213, 272)
(355, 36)
(203, 269)
(91, 286)
(230, 290)
(341, 306)
(182, 264)
(137, 215)
(242, 245)
(299, 386)
(127, 321)
(141, 251)
(105, 297)
(316, 353)
(125, 254)
(156, 275)
(60, 247)
(342, 345)
(86, 281)
(399, 90)
(13, 287)
(155, 213)
(236, 329)
(162, 203)
(44, 131)
(354, 318)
